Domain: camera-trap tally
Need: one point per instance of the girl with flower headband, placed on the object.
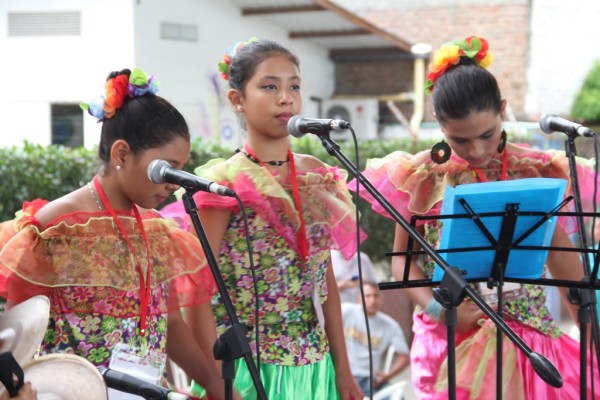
(116, 273)
(298, 208)
(470, 110)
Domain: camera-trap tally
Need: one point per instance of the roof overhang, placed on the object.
(328, 25)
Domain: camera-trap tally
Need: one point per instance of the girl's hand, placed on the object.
(347, 388)
(27, 392)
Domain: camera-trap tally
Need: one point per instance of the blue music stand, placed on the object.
(477, 214)
(493, 230)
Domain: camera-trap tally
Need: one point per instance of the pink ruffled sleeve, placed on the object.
(406, 189)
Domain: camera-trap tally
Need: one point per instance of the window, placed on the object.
(66, 23)
(173, 31)
(67, 125)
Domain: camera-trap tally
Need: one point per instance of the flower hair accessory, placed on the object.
(117, 90)
(473, 47)
(230, 54)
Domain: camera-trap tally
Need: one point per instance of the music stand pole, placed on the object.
(583, 298)
(232, 344)
(455, 286)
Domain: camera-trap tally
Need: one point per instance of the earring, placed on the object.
(440, 152)
(502, 143)
(118, 167)
(238, 108)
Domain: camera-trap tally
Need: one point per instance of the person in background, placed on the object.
(346, 274)
(298, 208)
(115, 272)
(385, 332)
(470, 109)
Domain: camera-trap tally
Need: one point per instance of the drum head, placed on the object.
(65, 377)
(22, 328)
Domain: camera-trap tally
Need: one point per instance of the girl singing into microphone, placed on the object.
(298, 208)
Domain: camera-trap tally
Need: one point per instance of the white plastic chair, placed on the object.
(180, 378)
(389, 358)
(395, 391)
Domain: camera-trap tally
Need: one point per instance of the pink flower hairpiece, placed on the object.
(449, 55)
(230, 53)
(117, 90)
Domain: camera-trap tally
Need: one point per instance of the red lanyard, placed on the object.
(300, 233)
(482, 178)
(144, 282)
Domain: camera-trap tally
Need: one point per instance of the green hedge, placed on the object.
(587, 103)
(33, 171)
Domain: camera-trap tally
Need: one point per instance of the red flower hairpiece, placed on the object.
(473, 47)
(117, 90)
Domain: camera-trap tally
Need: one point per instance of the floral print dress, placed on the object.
(85, 268)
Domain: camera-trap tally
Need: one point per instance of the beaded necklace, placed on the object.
(252, 157)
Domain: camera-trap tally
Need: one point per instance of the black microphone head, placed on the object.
(545, 122)
(294, 126)
(156, 171)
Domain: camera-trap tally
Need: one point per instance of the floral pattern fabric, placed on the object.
(289, 288)
(290, 333)
(85, 268)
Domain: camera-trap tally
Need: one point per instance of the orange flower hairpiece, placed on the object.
(117, 90)
(473, 47)
(230, 53)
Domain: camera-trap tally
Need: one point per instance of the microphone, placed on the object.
(553, 123)
(160, 171)
(299, 126)
(132, 385)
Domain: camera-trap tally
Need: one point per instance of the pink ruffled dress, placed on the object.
(295, 360)
(417, 188)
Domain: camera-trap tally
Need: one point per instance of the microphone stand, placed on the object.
(585, 299)
(232, 344)
(453, 286)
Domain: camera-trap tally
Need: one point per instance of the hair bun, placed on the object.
(114, 74)
(120, 85)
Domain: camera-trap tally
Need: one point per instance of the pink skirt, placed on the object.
(476, 364)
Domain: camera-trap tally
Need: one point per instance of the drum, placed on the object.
(64, 377)
(22, 328)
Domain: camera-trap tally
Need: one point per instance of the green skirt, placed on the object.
(308, 382)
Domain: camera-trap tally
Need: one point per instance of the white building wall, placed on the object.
(40, 70)
(37, 71)
(564, 47)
